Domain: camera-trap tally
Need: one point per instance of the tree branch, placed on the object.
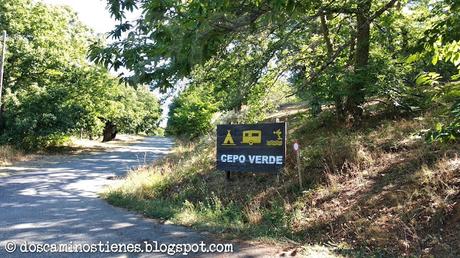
(387, 6)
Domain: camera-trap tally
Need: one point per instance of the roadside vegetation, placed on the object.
(376, 189)
(9, 155)
(370, 89)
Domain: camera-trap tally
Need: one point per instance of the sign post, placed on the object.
(258, 148)
(299, 169)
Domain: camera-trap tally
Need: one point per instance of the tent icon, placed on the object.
(228, 139)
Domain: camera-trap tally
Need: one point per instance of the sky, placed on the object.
(91, 12)
(94, 14)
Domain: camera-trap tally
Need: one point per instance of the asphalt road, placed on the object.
(55, 201)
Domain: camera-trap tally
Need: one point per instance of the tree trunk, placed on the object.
(351, 56)
(315, 99)
(356, 92)
(339, 109)
(2, 119)
(327, 39)
(110, 131)
(338, 98)
(315, 103)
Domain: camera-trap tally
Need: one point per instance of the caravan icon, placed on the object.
(252, 136)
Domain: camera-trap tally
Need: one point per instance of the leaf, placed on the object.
(435, 59)
(421, 79)
(456, 59)
(412, 58)
(455, 77)
(438, 127)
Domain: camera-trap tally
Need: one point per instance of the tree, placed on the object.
(173, 37)
(191, 113)
(51, 90)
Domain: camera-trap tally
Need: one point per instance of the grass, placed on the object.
(70, 146)
(9, 155)
(377, 189)
(53, 145)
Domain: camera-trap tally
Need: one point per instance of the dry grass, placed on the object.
(382, 189)
(120, 140)
(376, 189)
(76, 146)
(9, 155)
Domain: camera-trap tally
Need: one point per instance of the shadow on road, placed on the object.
(55, 200)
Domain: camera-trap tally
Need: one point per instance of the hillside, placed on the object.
(373, 189)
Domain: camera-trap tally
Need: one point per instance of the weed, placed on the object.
(376, 190)
(9, 154)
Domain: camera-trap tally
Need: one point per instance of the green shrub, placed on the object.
(191, 114)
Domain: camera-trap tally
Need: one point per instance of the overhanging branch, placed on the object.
(379, 12)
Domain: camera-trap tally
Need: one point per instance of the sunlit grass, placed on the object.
(370, 188)
(9, 154)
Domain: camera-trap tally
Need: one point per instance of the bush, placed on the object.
(449, 131)
(191, 114)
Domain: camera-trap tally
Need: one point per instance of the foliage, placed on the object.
(208, 100)
(448, 94)
(241, 42)
(191, 113)
(327, 52)
(140, 112)
(51, 90)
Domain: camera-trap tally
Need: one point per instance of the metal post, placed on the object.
(227, 176)
(299, 169)
(2, 65)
